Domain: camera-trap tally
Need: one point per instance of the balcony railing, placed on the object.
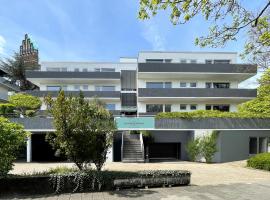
(196, 92)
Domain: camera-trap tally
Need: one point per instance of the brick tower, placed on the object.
(29, 53)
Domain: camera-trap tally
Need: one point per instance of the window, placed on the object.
(53, 88)
(183, 61)
(193, 84)
(154, 84)
(193, 61)
(76, 70)
(208, 85)
(53, 69)
(222, 61)
(208, 61)
(252, 145)
(98, 88)
(108, 88)
(154, 108)
(168, 60)
(168, 85)
(85, 87)
(97, 70)
(193, 107)
(110, 106)
(168, 107)
(221, 85)
(84, 70)
(154, 60)
(107, 69)
(63, 69)
(183, 84)
(76, 87)
(223, 108)
(208, 107)
(183, 106)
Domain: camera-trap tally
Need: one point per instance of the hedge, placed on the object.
(260, 161)
(208, 114)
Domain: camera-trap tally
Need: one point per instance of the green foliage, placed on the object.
(208, 114)
(12, 136)
(61, 170)
(208, 146)
(261, 104)
(134, 132)
(193, 149)
(30, 113)
(84, 129)
(6, 108)
(260, 161)
(226, 18)
(24, 102)
(15, 68)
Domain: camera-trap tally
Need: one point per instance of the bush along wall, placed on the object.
(91, 180)
(260, 161)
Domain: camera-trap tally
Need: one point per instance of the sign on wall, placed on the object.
(126, 123)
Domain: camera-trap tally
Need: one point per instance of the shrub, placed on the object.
(12, 136)
(260, 161)
(209, 114)
(208, 146)
(193, 149)
(30, 113)
(6, 108)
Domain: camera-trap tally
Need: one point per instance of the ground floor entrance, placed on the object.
(164, 151)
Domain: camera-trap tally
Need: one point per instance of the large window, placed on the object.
(168, 107)
(158, 85)
(154, 60)
(104, 88)
(221, 85)
(110, 106)
(193, 107)
(154, 108)
(224, 108)
(183, 84)
(56, 88)
(183, 106)
(222, 61)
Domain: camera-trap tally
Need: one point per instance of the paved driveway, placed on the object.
(236, 191)
(208, 181)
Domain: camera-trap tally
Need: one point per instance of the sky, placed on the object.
(95, 30)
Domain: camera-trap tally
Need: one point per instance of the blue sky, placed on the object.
(94, 30)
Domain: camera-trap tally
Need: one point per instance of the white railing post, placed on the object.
(142, 145)
(122, 144)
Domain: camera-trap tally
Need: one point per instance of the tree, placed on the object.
(193, 149)
(25, 104)
(261, 104)
(228, 18)
(84, 129)
(15, 68)
(12, 137)
(209, 146)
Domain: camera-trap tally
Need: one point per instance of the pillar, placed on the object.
(29, 149)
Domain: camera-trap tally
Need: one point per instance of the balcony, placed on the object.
(87, 94)
(195, 94)
(238, 72)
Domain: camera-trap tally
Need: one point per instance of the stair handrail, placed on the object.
(142, 145)
(122, 144)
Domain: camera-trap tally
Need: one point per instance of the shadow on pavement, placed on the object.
(133, 193)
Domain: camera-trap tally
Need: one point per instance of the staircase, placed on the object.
(132, 148)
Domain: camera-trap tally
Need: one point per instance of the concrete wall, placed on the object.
(174, 137)
(234, 144)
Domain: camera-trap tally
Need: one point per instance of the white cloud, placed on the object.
(152, 34)
(2, 44)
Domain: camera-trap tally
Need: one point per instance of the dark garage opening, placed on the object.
(165, 151)
(42, 151)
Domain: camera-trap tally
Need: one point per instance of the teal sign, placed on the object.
(135, 123)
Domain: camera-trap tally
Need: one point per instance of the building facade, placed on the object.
(136, 89)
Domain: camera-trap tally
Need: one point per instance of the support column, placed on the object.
(29, 149)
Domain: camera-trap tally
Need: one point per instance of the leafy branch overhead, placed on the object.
(228, 18)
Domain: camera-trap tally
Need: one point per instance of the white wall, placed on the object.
(199, 56)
